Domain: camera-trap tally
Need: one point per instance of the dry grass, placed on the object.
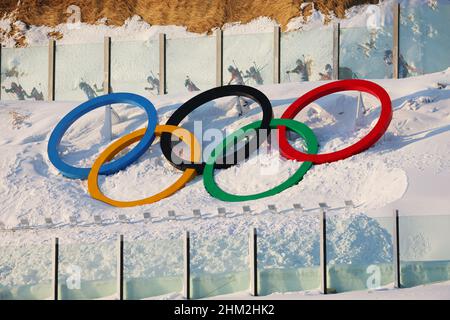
(198, 15)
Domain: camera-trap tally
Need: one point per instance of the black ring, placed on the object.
(204, 97)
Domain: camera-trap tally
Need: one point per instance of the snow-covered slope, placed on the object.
(408, 167)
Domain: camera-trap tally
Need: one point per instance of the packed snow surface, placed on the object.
(407, 169)
(416, 144)
(438, 291)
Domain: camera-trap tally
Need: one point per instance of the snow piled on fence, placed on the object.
(391, 173)
(136, 29)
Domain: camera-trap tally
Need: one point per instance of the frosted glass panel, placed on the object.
(153, 268)
(359, 252)
(424, 38)
(219, 265)
(87, 271)
(24, 73)
(288, 260)
(78, 72)
(307, 55)
(25, 272)
(424, 249)
(248, 59)
(191, 64)
(366, 54)
(135, 67)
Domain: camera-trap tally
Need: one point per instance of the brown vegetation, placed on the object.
(198, 15)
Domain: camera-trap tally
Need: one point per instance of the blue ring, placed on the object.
(114, 166)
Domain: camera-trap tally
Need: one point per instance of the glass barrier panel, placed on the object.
(359, 252)
(26, 272)
(288, 258)
(88, 271)
(135, 67)
(424, 38)
(219, 265)
(24, 73)
(152, 268)
(248, 59)
(307, 55)
(79, 71)
(365, 53)
(424, 249)
(191, 64)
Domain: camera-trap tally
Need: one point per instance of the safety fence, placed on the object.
(328, 252)
(412, 40)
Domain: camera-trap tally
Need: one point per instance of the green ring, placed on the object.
(208, 174)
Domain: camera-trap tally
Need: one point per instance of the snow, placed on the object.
(411, 162)
(438, 291)
(408, 169)
(135, 28)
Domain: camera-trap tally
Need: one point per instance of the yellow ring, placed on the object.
(129, 139)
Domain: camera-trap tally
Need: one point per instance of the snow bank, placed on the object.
(372, 179)
(417, 143)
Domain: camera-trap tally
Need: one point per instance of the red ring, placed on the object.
(370, 139)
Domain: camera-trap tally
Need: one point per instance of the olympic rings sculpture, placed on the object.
(205, 97)
(117, 165)
(129, 139)
(106, 165)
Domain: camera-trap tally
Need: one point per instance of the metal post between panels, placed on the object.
(120, 284)
(396, 41)
(253, 258)
(55, 267)
(219, 57)
(107, 65)
(187, 266)
(162, 64)
(107, 86)
(323, 252)
(276, 54)
(336, 49)
(51, 69)
(396, 251)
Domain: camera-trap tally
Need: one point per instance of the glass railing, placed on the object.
(359, 252)
(135, 67)
(152, 268)
(424, 249)
(424, 38)
(26, 272)
(191, 64)
(248, 59)
(306, 55)
(366, 53)
(79, 71)
(288, 260)
(87, 271)
(219, 265)
(24, 73)
(359, 257)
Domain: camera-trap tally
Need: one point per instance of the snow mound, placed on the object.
(387, 174)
